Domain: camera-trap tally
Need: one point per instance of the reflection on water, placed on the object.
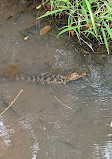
(5, 133)
(26, 122)
(53, 121)
(5, 136)
(104, 151)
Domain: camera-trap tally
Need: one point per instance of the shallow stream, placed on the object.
(52, 121)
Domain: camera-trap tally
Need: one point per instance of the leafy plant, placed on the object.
(86, 18)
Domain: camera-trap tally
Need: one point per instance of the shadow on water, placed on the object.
(53, 121)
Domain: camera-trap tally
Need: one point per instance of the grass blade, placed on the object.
(90, 32)
(91, 15)
(49, 13)
(85, 13)
(108, 30)
(70, 28)
(105, 39)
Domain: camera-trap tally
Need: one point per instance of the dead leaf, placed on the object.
(45, 30)
(26, 37)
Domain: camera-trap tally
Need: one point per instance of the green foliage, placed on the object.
(86, 18)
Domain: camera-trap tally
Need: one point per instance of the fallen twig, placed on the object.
(12, 102)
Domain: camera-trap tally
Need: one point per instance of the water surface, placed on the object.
(52, 121)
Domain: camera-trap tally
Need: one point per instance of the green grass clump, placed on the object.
(86, 18)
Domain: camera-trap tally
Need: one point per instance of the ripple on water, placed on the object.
(102, 150)
(5, 136)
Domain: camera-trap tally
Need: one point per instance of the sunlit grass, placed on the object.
(86, 18)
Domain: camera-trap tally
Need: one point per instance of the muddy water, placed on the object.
(52, 121)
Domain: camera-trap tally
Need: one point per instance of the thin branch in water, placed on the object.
(12, 102)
